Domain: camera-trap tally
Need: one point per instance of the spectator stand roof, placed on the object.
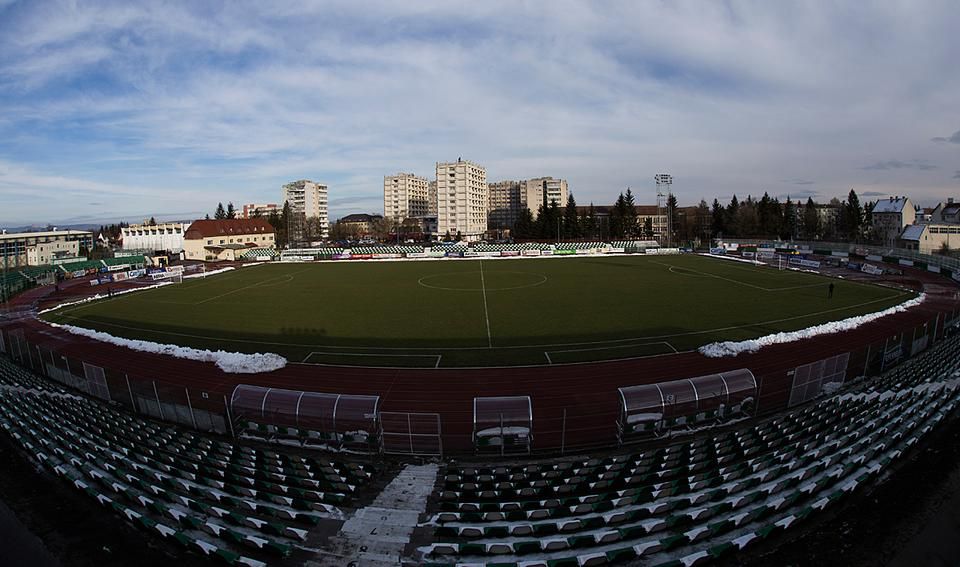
(319, 411)
(717, 394)
(504, 423)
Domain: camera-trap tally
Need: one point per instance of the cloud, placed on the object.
(873, 194)
(151, 109)
(918, 164)
(957, 174)
(954, 139)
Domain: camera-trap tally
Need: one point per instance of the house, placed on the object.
(226, 239)
(891, 216)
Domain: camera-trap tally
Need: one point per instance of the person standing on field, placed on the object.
(830, 291)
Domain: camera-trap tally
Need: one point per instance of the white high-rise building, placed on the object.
(309, 198)
(432, 198)
(461, 199)
(543, 191)
(405, 195)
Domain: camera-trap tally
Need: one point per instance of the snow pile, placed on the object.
(733, 348)
(210, 273)
(233, 362)
(103, 296)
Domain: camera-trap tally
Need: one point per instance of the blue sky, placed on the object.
(122, 110)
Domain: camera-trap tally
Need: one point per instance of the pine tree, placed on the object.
(854, 215)
(717, 219)
(630, 215)
(617, 220)
(811, 220)
(524, 227)
(231, 211)
(571, 222)
(789, 231)
(730, 217)
(674, 215)
(220, 213)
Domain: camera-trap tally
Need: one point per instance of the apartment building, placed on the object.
(543, 191)
(461, 199)
(505, 200)
(309, 199)
(406, 195)
(253, 210)
(890, 216)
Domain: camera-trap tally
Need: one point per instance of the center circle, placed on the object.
(490, 281)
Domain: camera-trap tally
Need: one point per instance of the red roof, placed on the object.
(207, 228)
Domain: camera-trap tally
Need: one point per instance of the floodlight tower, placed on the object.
(665, 191)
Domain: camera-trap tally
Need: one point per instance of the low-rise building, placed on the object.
(930, 238)
(18, 249)
(948, 212)
(227, 239)
(360, 225)
(166, 236)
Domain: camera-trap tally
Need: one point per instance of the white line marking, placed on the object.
(486, 313)
(709, 275)
(547, 354)
(379, 355)
(610, 348)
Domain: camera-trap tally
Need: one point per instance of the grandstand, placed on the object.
(258, 253)
(689, 502)
(387, 249)
(581, 245)
(511, 247)
(681, 503)
(241, 504)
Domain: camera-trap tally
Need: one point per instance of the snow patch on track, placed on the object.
(733, 348)
(232, 362)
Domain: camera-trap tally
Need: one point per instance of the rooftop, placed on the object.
(206, 228)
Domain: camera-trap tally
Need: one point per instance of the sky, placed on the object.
(129, 110)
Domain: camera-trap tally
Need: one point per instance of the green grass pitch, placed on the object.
(480, 313)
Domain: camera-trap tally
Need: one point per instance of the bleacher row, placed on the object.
(688, 503)
(242, 504)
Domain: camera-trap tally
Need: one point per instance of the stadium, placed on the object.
(553, 405)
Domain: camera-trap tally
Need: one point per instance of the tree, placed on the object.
(231, 211)
(153, 222)
(703, 221)
(571, 222)
(524, 227)
(617, 218)
(446, 237)
(630, 214)
(648, 227)
(717, 219)
(853, 213)
(459, 237)
(730, 217)
(789, 231)
(589, 225)
(220, 213)
(811, 220)
(673, 216)
(945, 249)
